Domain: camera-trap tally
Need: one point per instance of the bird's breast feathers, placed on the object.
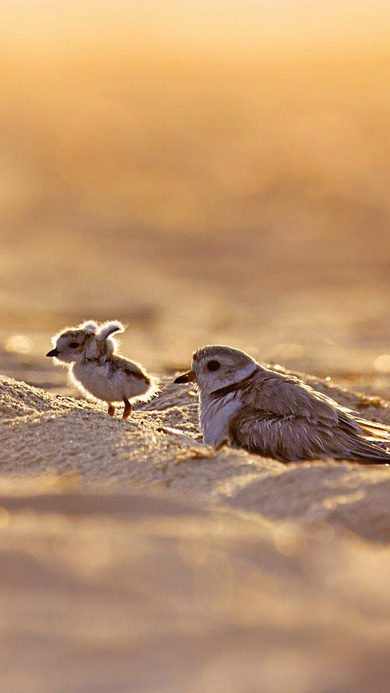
(97, 381)
(215, 415)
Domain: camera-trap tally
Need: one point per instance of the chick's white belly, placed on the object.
(215, 415)
(99, 382)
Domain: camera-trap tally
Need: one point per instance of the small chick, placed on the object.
(89, 352)
(249, 406)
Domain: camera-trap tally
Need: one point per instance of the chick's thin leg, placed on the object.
(127, 409)
(111, 409)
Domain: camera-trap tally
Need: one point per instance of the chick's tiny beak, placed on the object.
(53, 352)
(188, 377)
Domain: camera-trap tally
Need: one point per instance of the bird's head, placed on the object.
(215, 367)
(88, 341)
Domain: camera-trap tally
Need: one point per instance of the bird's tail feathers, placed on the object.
(378, 431)
(366, 451)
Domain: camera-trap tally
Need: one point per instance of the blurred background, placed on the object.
(207, 172)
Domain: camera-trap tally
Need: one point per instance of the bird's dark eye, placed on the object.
(74, 345)
(213, 365)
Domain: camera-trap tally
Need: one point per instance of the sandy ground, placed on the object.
(134, 558)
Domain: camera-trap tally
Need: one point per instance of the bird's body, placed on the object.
(277, 415)
(112, 379)
(89, 352)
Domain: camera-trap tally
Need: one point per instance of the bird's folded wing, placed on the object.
(282, 395)
(291, 438)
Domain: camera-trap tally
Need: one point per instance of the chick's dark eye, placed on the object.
(213, 365)
(73, 345)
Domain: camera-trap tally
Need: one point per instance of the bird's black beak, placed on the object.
(188, 377)
(53, 352)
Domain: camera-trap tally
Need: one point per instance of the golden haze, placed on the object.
(197, 185)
